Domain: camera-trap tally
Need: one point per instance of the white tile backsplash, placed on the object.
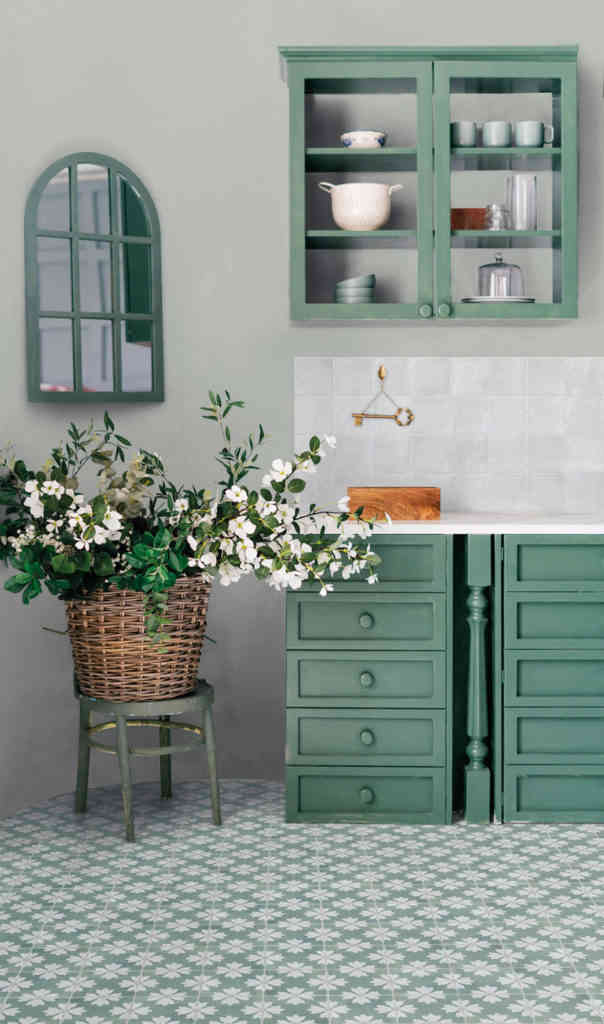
(496, 434)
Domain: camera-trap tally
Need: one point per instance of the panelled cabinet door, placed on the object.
(326, 98)
(544, 247)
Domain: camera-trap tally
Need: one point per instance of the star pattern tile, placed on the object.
(260, 921)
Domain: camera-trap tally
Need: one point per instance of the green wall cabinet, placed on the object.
(369, 691)
(424, 268)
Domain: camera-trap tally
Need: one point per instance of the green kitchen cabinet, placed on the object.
(424, 268)
(548, 743)
(369, 691)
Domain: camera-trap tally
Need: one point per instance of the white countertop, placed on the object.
(481, 523)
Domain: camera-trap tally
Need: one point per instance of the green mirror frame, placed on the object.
(128, 254)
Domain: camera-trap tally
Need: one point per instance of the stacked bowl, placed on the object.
(356, 289)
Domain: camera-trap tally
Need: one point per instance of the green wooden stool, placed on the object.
(142, 713)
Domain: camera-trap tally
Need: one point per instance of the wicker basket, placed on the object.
(115, 660)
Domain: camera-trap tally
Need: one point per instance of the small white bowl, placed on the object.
(364, 139)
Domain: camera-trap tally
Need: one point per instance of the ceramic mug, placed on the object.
(464, 133)
(496, 133)
(532, 133)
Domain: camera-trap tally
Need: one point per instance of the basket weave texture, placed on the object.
(115, 660)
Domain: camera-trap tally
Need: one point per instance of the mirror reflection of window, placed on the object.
(93, 283)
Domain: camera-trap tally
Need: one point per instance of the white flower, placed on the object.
(265, 508)
(236, 494)
(307, 466)
(278, 579)
(192, 542)
(280, 470)
(31, 486)
(227, 546)
(112, 520)
(53, 487)
(208, 558)
(372, 579)
(83, 545)
(325, 589)
(343, 504)
(181, 505)
(329, 440)
(241, 527)
(53, 525)
(246, 551)
(228, 574)
(35, 505)
(100, 535)
(355, 528)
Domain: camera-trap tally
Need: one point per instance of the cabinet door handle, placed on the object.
(444, 309)
(366, 679)
(425, 310)
(366, 794)
(366, 620)
(367, 737)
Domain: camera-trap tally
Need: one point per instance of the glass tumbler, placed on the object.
(521, 201)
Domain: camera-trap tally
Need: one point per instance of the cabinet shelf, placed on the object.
(336, 158)
(506, 233)
(513, 152)
(340, 239)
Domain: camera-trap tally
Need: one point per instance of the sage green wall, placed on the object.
(188, 94)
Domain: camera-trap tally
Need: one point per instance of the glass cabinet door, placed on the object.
(506, 189)
(327, 99)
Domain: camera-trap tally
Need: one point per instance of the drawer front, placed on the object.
(554, 736)
(408, 564)
(545, 678)
(554, 563)
(337, 679)
(356, 622)
(407, 795)
(554, 620)
(331, 736)
(554, 793)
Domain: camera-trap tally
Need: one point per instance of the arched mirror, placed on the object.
(93, 284)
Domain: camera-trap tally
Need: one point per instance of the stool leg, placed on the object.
(81, 793)
(165, 760)
(208, 728)
(124, 760)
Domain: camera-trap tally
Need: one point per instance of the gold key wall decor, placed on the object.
(358, 417)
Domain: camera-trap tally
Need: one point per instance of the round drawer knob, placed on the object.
(366, 679)
(367, 795)
(425, 310)
(367, 737)
(444, 309)
(366, 620)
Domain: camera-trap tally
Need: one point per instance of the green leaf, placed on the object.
(266, 494)
(123, 440)
(63, 564)
(103, 565)
(296, 485)
(314, 443)
(32, 590)
(108, 421)
(16, 583)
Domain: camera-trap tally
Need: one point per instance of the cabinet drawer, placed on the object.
(545, 678)
(554, 563)
(408, 564)
(554, 620)
(554, 793)
(330, 736)
(354, 622)
(408, 795)
(391, 679)
(554, 736)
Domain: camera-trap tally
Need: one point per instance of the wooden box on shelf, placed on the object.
(400, 503)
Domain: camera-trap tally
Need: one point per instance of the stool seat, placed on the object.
(145, 713)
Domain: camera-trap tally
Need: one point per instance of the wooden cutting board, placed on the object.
(400, 503)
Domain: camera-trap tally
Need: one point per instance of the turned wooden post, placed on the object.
(478, 773)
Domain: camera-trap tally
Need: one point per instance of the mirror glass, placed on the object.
(56, 354)
(135, 276)
(133, 216)
(54, 274)
(53, 206)
(93, 199)
(95, 276)
(97, 355)
(137, 362)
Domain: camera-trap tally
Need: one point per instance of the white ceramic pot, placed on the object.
(360, 205)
